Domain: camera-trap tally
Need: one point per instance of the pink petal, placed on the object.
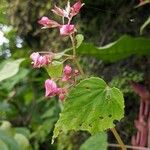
(35, 59)
(50, 87)
(46, 22)
(58, 11)
(76, 8)
(34, 56)
(67, 29)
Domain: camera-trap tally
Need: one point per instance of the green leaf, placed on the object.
(120, 49)
(3, 145)
(4, 107)
(96, 142)
(55, 69)
(6, 125)
(11, 143)
(12, 81)
(24, 131)
(22, 141)
(79, 40)
(90, 106)
(146, 23)
(10, 68)
(48, 113)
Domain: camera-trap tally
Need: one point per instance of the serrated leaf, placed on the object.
(79, 40)
(90, 106)
(120, 49)
(55, 69)
(95, 142)
(11, 143)
(10, 69)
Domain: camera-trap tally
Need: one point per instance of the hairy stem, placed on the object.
(118, 138)
(74, 56)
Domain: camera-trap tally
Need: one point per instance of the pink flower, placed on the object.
(62, 12)
(35, 59)
(67, 70)
(58, 11)
(69, 12)
(39, 61)
(47, 59)
(67, 73)
(51, 88)
(76, 8)
(67, 29)
(47, 23)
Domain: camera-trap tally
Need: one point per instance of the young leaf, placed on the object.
(55, 69)
(92, 106)
(120, 49)
(79, 40)
(96, 142)
(10, 69)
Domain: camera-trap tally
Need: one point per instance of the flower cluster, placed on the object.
(69, 12)
(39, 61)
(69, 73)
(68, 77)
(53, 90)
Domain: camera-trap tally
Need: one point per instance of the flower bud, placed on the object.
(67, 70)
(61, 97)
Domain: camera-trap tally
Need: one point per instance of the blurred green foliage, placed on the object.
(97, 142)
